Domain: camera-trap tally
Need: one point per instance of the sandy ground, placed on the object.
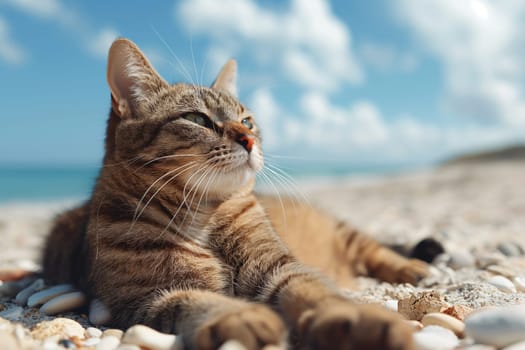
(477, 212)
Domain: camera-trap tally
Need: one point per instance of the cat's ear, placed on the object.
(227, 78)
(131, 77)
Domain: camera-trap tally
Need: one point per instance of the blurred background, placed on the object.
(338, 87)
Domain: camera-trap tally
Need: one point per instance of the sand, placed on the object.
(476, 211)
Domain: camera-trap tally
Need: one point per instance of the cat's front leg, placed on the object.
(206, 320)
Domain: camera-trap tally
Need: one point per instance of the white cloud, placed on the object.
(306, 41)
(100, 44)
(480, 44)
(95, 41)
(10, 51)
(387, 58)
(268, 115)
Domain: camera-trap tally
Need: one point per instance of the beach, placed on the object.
(476, 211)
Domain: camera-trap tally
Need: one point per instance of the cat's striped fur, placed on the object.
(174, 238)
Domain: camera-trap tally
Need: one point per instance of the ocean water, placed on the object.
(47, 183)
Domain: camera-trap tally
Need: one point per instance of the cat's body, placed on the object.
(173, 236)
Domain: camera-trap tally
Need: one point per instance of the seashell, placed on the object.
(108, 343)
(435, 337)
(60, 327)
(63, 303)
(416, 306)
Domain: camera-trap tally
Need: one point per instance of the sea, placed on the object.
(41, 183)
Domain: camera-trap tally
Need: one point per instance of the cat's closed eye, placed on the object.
(199, 119)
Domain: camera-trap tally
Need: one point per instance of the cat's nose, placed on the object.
(245, 141)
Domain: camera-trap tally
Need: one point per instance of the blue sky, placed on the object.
(363, 82)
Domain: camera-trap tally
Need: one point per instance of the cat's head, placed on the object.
(203, 136)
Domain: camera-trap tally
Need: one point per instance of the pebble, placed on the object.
(63, 303)
(108, 343)
(232, 345)
(498, 326)
(99, 314)
(519, 283)
(417, 305)
(24, 294)
(444, 320)
(427, 250)
(61, 327)
(147, 337)
(391, 304)
(92, 332)
(91, 342)
(435, 338)
(12, 313)
(10, 289)
(113, 332)
(502, 283)
(461, 258)
(490, 259)
(510, 249)
(48, 294)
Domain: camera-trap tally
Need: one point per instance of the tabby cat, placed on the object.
(174, 238)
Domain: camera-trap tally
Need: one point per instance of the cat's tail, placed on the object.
(64, 253)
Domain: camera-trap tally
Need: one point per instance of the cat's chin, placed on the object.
(232, 182)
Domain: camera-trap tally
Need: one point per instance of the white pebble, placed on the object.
(498, 326)
(391, 305)
(48, 294)
(91, 342)
(92, 332)
(444, 320)
(435, 338)
(63, 303)
(24, 294)
(232, 345)
(108, 343)
(99, 314)
(516, 346)
(147, 337)
(503, 284)
(519, 282)
(460, 258)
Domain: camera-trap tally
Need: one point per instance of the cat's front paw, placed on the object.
(255, 327)
(342, 325)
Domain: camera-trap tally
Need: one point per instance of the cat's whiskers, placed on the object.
(127, 162)
(287, 180)
(283, 210)
(211, 177)
(170, 156)
(183, 168)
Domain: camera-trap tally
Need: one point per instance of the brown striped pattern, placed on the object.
(174, 238)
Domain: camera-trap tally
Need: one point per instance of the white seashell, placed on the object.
(63, 303)
(516, 346)
(24, 294)
(391, 305)
(498, 326)
(232, 345)
(128, 347)
(503, 284)
(113, 332)
(48, 294)
(108, 343)
(444, 320)
(435, 338)
(519, 282)
(147, 337)
(99, 314)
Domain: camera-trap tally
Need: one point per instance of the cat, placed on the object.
(173, 236)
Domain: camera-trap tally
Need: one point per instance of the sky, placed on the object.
(356, 82)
